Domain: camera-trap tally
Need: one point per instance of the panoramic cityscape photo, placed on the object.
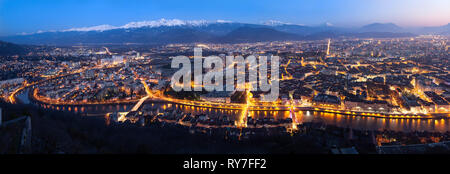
(224, 77)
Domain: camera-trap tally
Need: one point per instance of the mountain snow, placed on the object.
(155, 23)
(275, 23)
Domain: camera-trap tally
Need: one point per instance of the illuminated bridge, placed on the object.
(139, 104)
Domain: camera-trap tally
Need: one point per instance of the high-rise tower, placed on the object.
(328, 47)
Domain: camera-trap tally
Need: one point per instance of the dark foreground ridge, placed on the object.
(55, 132)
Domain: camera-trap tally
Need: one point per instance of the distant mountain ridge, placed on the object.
(9, 49)
(445, 30)
(381, 27)
(177, 31)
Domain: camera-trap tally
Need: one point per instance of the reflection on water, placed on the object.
(94, 110)
(355, 122)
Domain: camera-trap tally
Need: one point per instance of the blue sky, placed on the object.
(18, 16)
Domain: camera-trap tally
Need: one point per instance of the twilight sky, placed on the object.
(17, 16)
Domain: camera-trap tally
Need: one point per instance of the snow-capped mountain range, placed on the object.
(164, 31)
(139, 24)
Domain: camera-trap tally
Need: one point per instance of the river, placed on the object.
(355, 122)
